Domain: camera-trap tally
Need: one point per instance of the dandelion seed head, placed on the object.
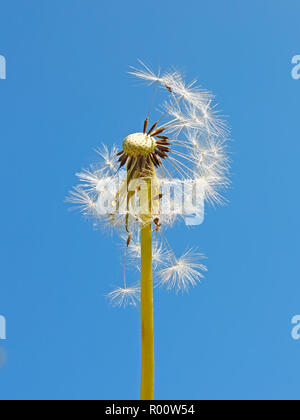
(139, 144)
(186, 144)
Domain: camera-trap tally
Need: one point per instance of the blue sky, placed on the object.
(67, 90)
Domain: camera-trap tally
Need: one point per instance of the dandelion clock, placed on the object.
(162, 174)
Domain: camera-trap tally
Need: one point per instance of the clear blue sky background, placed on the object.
(67, 90)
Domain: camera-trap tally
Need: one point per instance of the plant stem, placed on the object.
(147, 380)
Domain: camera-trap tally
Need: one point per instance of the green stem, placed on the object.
(147, 380)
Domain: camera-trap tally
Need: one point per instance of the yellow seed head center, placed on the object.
(139, 144)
